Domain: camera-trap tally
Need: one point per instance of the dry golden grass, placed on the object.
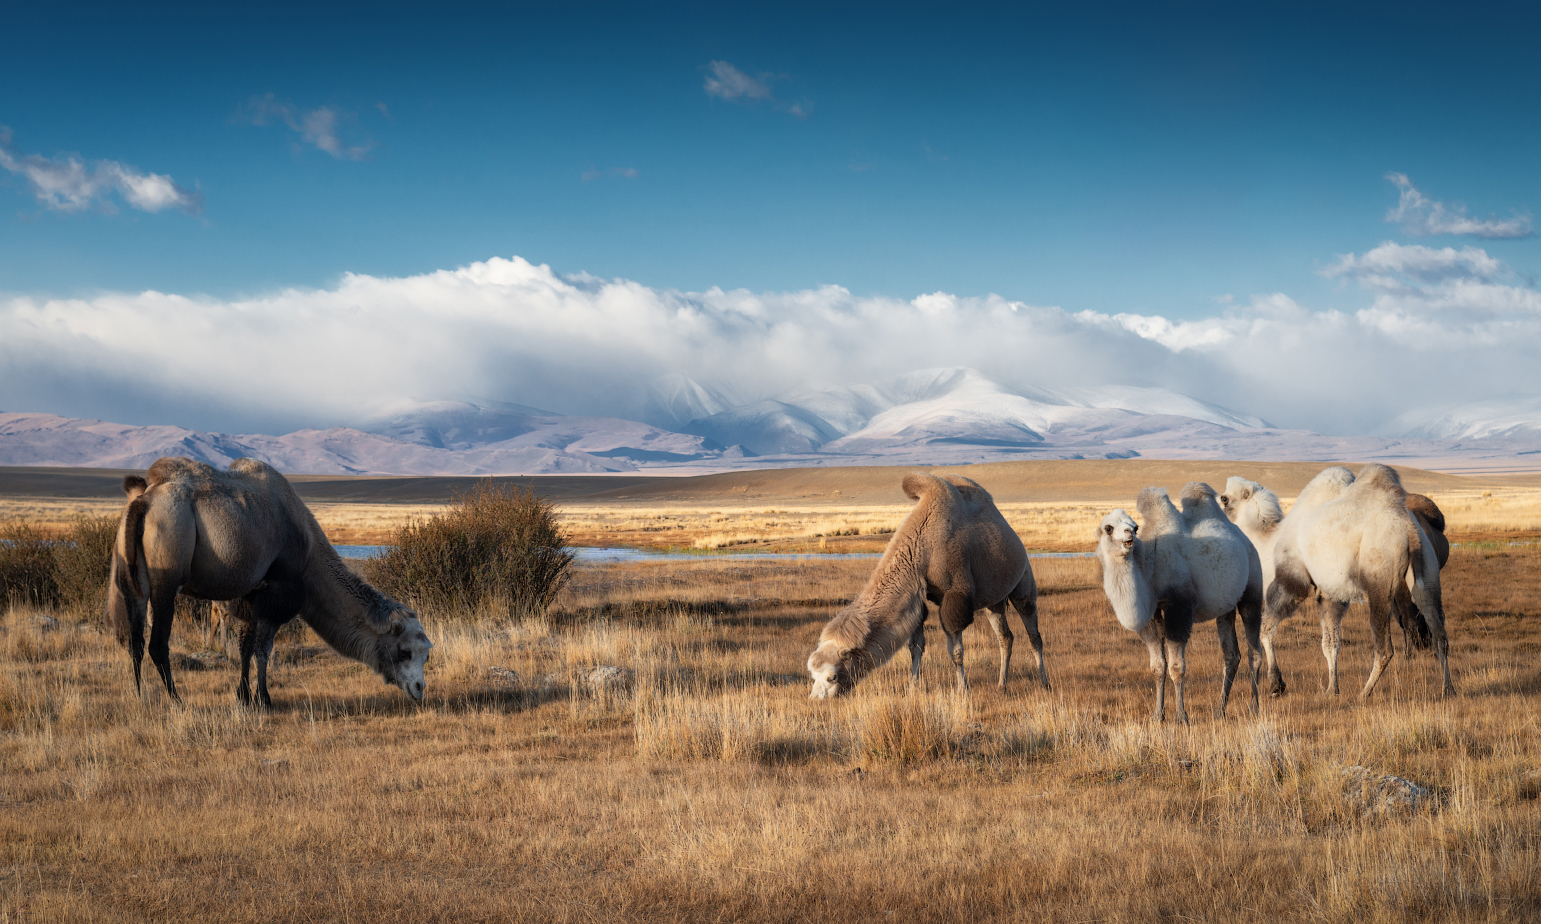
(710, 788)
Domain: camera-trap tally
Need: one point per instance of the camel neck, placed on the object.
(342, 607)
(1128, 587)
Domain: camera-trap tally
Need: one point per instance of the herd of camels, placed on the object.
(242, 535)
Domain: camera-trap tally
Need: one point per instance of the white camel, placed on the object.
(1192, 566)
(1347, 537)
(1257, 513)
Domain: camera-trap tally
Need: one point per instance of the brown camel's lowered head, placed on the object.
(403, 652)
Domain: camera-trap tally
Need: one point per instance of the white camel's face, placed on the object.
(407, 647)
(1118, 532)
(1237, 492)
(830, 677)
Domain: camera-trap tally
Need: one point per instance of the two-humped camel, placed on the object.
(243, 534)
(1415, 599)
(1191, 566)
(954, 549)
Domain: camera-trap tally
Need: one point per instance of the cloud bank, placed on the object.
(1440, 326)
(68, 184)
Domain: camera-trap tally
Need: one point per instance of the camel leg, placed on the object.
(1332, 640)
(265, 633)
(1380, 635)
(1003, 637)
(1251, 610)
(1284, 596)
(1025, 601)
(1177, 672)
(917, 651)
(163, 608)
(247, 639)
(1431, 605)
(955, 652)
(956, 614)
(1226, 624)
(136, 620)
(1154, 643)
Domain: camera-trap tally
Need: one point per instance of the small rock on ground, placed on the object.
(44, 623)
(1374, 793)
(609, 680)
(199, 661)
(504, 676)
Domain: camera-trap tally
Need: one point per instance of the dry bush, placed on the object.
(83, 564)
(27, 571)
(494, 547)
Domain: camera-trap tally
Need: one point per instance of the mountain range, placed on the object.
(934, 416)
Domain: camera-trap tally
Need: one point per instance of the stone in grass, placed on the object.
(504, 676)
(199, 661)
(44, 623)
(1372, 793)
(609, 680)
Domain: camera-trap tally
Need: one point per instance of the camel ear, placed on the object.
(398, 627)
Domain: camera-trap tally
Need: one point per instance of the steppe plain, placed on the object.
(711, 789)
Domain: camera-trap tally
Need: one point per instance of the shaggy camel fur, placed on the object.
(1256, 511)
(954, 549)
(1362, 541)
(1193, 566)
(244, 534)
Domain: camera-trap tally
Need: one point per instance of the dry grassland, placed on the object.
(714, 790)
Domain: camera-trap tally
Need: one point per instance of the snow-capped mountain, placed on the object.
(1500, 418)
(932, 417)
(956, 405)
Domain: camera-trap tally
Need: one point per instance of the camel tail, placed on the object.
(1421, 634)
(133, 540)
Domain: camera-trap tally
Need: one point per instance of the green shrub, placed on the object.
(496, 548)
(27, 571)
(83, 564)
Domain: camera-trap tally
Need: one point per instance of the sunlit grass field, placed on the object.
(707, 787)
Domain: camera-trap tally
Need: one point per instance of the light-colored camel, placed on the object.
(243, 534)
(1257, 512)
(1363, 541)
(954, 549)
(1191, 566)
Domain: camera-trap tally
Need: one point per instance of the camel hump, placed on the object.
(254, 467)
(921, 486)
(134, 485)
(178, 468)
(1156, 510)
(1426, 508)
(1383, 478)
(969, 488)
(1195, 494)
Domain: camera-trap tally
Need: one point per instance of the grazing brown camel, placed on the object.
(954, 549)
(1191, 566)
(243, 534)
(1361, 541)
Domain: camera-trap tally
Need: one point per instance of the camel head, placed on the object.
(831, 667)
(404, 649)
(1249, 504)
(1116, 536)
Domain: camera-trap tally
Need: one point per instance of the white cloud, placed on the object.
(725, 81)
(1421, 215)
(321, 128)
(510, 330)
(68, 185)
(625, 173)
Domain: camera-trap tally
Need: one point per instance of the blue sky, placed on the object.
(1121, 158)
(1167, 165)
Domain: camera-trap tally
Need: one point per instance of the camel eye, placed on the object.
(403, 655)
(1108, 529)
